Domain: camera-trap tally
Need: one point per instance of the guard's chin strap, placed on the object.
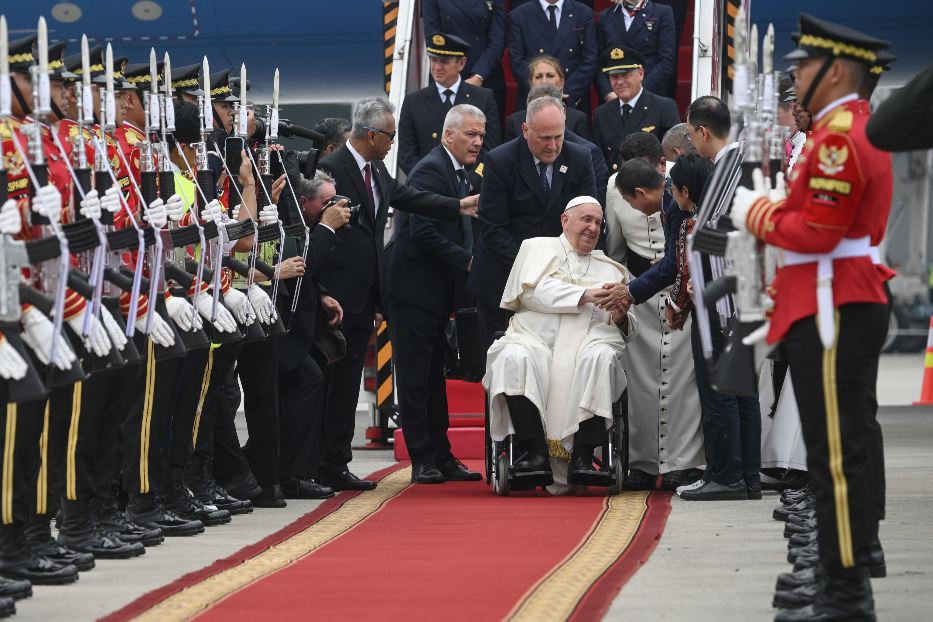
(57, 111)
(805, 102)
(218, 120)
(26, 108)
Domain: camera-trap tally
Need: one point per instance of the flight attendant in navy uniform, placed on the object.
(481, 23)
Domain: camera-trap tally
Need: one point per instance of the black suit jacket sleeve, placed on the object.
(492, 56)
(578, 84)
(421, 202)
(660, 75)
(432, 176)
(322, 241)
(493, 129)
(670, 116)
(494, 210)
(407, 139)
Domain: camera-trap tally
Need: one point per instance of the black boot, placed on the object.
(530, 443)
(199, 477)
(789, 580)
(7, 607)
(147, 511)
(843, 597)
(18, 561)
(178, 499)
(38, 532)
(10, 588)
(877, 568)
(801, 595)
(111, 520)
(80, 532)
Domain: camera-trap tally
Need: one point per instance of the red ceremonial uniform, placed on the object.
(839, 189)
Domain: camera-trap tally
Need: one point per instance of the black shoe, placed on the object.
(345, 480)
(877, 568)
(790, 580)
(7, 607)
(672, 480)
(178, 499)
(805, 526)
(639, 480)
(783, 511)
(225, 501)
(38, 534)
(110, 520)
(800, 518)
(147, 511)
(840, 598)
(199, 477)
(582, 472)
(806, 560)
(800, 596)
(801, 539)
(270, 497)
(532, 463)
(19, 562)
(79, 532)
(16, 590)
(714, 491)
(753, 490)
(794, 552)
(426, 474)
(243, 486)
(455, 471)
(305, 488)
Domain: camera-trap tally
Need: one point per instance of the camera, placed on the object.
(354, 209)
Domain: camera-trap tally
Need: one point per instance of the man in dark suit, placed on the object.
(481, 23)
(578, 122)
(354, 270)
(423, 112)
(300, 379)
(634, 110)
(565, 30)
(648, 29)
(527, 182)
(428, 261)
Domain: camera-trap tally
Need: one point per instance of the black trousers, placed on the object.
(107, 472)
(342, 390)
(216, 429)
(301, 415)
(147, 424)
(189, 404)
(257, 365)
(835, 391)
(492, 320)
(419, 355)
(22, 426)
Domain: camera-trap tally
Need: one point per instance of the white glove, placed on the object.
(224, 322)
(12, 365)
(269, 214)
(117, 336)
(181, 313)
(212, 212)
(111, 200)
(96, 340)
(90, 205)
(239, 305)
(779, 192)
(156, 215)
(48, 203)
(744, 198)
(235, 212)
(10, 221)
(175, 208)
(262, 304)
(159, 331)
(37, 333)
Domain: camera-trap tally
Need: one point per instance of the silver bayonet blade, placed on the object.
(108, 68)
(4, 48)
(153, 73)
(167, 75)
(206, 87)
(767, 51)
(741, 39)
(753, 48)
(85, 62)
(275, 89)
(43, 44)
(6, 92)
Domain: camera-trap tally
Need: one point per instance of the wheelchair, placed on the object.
(612, 461)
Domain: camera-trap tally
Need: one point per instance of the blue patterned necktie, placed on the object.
(542, 173)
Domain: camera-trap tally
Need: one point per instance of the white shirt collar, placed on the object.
(632, 101)
(537, 162)
(360, 160)
(453, 160)
(723, 151)
(842, 100)
(454, 87)
(545, 4)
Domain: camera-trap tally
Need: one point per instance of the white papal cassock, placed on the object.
(664, 406)
(565, 358)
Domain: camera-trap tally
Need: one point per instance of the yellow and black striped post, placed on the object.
(379, 434)
(390, 21)
(728, 43)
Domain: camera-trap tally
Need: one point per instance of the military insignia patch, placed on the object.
(616, 54)
(832, 159)
(438, 40)
(650, 128)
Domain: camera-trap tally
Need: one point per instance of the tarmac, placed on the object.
(716, 561)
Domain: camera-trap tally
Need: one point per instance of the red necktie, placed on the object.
(368, 180)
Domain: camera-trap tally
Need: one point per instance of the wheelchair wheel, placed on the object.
(500, 476)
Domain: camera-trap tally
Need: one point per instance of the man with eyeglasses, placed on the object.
(354, 274)
(421, 121)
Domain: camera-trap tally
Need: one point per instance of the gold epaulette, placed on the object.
(841, 121)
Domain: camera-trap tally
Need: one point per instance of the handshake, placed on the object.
(613, 297)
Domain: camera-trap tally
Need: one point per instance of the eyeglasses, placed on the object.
(391, 135)
(689, 135)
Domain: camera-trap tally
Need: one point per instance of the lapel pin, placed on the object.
(563, 168)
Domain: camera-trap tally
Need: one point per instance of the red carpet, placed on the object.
(450, 552)
(465, 398)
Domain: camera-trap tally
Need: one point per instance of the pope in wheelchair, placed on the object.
(554, 376)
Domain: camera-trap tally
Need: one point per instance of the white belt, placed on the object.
(846, 249)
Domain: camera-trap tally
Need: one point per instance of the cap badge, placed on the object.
(616, 54)
(438, 40)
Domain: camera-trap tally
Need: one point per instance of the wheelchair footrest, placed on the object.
(530, 479)
(591, 478)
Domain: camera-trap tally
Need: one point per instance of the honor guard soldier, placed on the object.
(421, 121)
(563, 29)
(644, 26)
(186, 83)
(635, 109)
(831, 308)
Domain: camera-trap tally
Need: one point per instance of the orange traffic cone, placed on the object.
(926, 391)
